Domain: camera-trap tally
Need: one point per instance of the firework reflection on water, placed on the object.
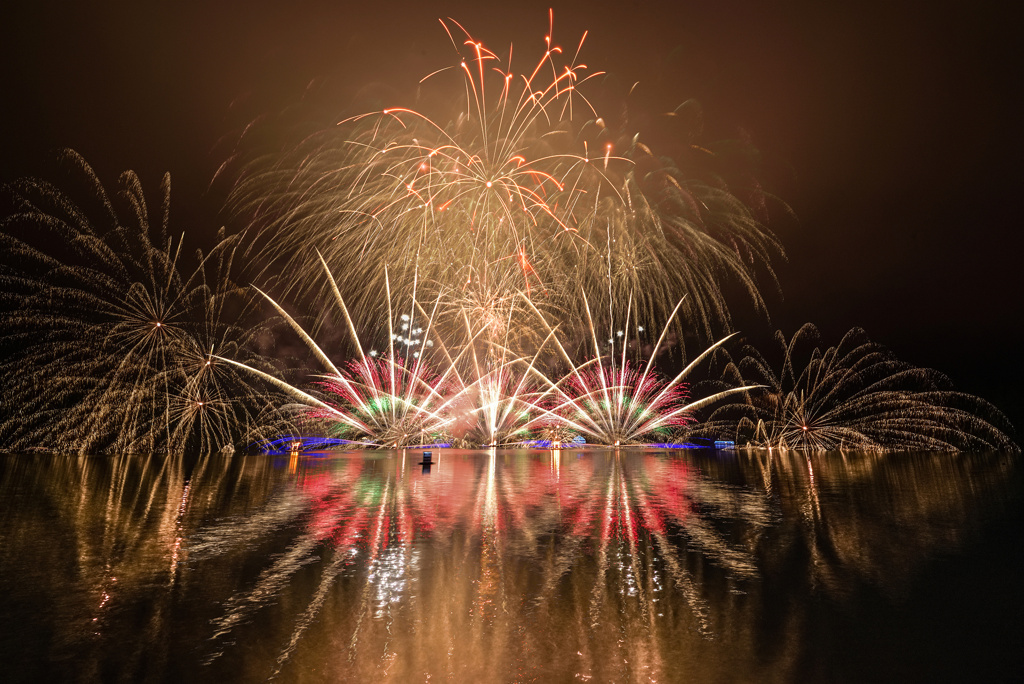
(495, 565)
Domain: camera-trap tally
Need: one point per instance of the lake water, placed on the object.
(512, 566)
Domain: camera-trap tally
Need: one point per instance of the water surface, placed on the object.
(578, 565)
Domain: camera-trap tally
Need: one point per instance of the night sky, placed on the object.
(893, 130)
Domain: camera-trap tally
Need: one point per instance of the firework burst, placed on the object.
(502, 399)
(111, 339)
(382, 399)
(390, 400)
(608, 401)
(523, 188)
(855, 395)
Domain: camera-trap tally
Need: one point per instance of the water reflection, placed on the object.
(492, 566)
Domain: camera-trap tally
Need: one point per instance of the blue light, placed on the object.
(283, 445)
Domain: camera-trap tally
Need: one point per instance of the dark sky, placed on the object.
(893, 129)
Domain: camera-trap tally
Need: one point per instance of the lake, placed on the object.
(512, 566)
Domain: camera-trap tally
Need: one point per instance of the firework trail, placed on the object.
(110, 339)
(855, 395)
(524, 187)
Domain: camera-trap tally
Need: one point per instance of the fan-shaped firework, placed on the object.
(387, 401)
(524, 188)
(609, 402)
(110, 340)
(855, 395)
(501, 400)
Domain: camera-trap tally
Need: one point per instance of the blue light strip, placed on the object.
(283, 445)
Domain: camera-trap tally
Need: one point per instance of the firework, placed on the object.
(502, 403)
(608, 401)
(524, 187)
(855, 395)
(382, 399)
(521, 207)
(375, 401)
(111, 341)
